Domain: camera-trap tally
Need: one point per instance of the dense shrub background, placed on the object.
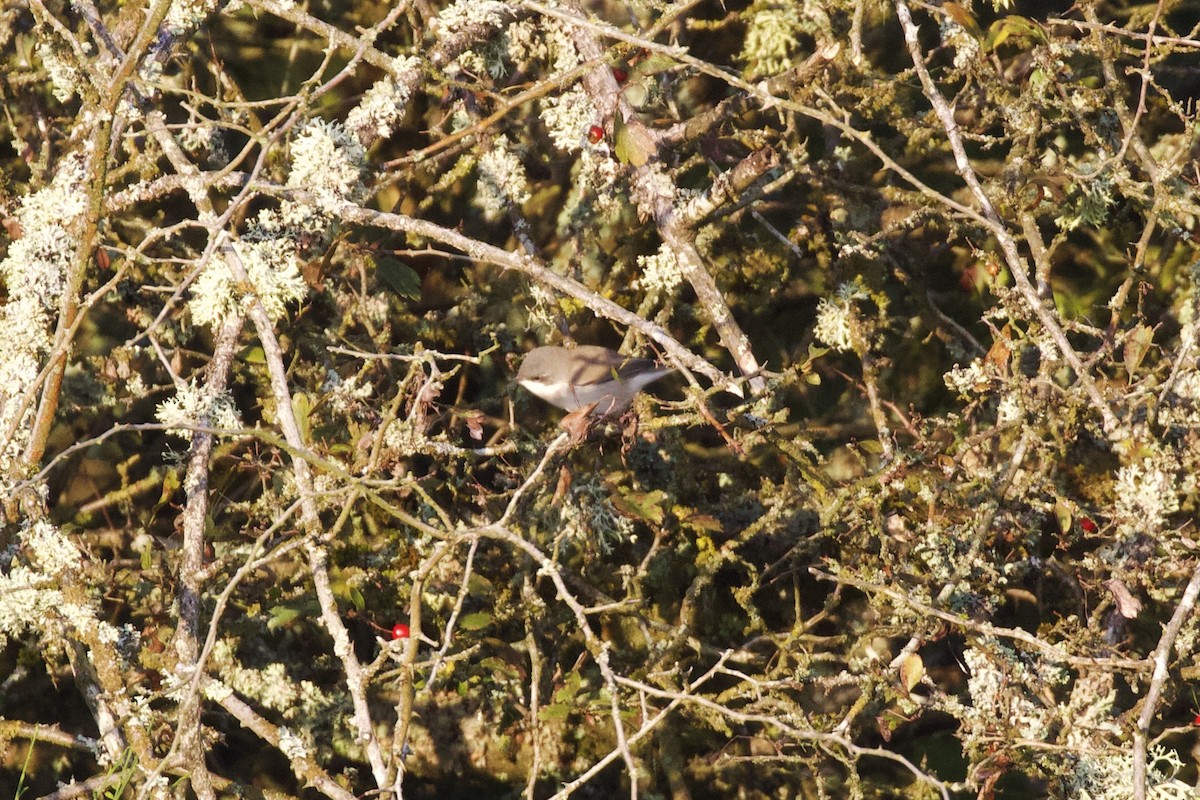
(915, 519)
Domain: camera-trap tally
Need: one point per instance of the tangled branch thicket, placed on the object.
(916, 517)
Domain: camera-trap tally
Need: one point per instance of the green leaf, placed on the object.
(702, 522)
(572, 682)
(253, 355)
(356, 597)
(633, 144)
(637, 93)
(281, 616)
(964, 18)
(474, 622)
(555, 712)
(1013, 27)
(642, 505)
(171, 483)
(400, 276)
(301, 408)
(1137, 344)
(654, 64)
(479, 586)
(912, 670)
(1063, 512)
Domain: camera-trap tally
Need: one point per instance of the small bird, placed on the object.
(578, 377)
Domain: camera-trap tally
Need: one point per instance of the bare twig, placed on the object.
(1008, 244)
(1161, 659)
(529, 266)
(985, 628)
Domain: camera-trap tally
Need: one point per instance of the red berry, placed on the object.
(620, 74)
(595, 134)
(1196, 720)
(1087, 524)
(399, 631)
